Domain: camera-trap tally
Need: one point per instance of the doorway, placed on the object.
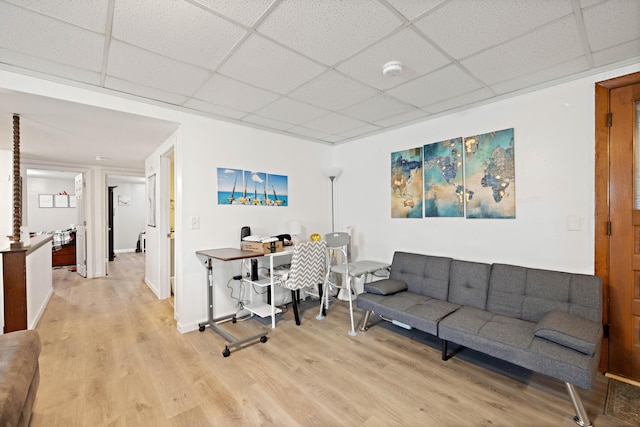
(617, 222)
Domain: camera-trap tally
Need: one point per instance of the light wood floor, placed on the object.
(112, 356)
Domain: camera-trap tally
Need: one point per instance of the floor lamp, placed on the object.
(332, 173)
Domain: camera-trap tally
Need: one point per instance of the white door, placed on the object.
(81, 228)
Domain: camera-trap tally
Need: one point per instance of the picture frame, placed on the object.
(61, 200)
(45, 200)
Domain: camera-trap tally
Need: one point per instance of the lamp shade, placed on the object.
(332, 171)
(295, 227)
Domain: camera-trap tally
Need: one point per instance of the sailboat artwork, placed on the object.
(230, 181)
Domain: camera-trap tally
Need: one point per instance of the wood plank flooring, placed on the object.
(112, 357)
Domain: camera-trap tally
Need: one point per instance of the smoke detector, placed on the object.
(392, 68)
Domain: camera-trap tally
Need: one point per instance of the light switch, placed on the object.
(195, 222)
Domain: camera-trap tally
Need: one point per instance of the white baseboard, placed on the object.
(120, 251)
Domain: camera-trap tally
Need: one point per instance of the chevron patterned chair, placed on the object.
(307, 270)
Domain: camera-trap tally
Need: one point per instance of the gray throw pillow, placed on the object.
(569, 330)
(385, 287)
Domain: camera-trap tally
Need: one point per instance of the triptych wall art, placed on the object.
(243, 187)
(472, 177)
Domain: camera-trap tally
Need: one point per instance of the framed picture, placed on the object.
(45, 200)
(151, 200)
(61, 201)
(124, 200)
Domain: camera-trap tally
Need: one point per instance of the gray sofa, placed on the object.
(546, 321)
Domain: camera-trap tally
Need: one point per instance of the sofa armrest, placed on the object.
(385, 287)
(571, 331)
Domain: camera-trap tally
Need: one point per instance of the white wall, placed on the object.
(6, 198)
(554, 161)
(129, 220)
(48, 219)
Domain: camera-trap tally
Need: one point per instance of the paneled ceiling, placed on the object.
(313, 68)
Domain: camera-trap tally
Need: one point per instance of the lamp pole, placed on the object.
(333, 224)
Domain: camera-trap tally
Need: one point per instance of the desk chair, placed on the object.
(337, 242)
(307, 270)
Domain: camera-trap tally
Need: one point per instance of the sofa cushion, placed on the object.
(424, 274)
(570, 331)
(385, 287)
(469, 282)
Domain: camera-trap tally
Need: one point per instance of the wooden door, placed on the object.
(622, 228)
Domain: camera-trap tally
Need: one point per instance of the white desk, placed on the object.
(260, 308)
(225, 254)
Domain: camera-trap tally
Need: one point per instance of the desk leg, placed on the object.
(213, 323)
(272, 294)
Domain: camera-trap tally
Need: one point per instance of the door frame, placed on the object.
(601, 215)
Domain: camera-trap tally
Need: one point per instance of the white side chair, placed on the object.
(337, 242)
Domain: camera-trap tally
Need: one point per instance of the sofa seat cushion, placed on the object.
(570, 331)
(418, 311)
(19, 352)
(514, 340)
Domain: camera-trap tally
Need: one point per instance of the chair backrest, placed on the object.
(337, 239)
(307, 265)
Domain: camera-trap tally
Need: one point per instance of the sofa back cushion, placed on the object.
(469, 283)
(529, 293)
(424, 274)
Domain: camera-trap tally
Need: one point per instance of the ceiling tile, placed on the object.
(411, 9)
(309, 133)
(262, 63)
(376, 108)
(573, 66)
(329, 30)
(405, 117)
(245, 12)
(435, 87)
(361, 131)
(222, 90)
(463, 27)
(139, 66)
(291, 111)
(460, 101)
(45, 66)
(266, 122)
(177, 29)
(198, 105)
(418, 57)
(65, 43)
(612, 23)
(89, 14)
(143, 91)
(332, 90)
(543, 48)
(334, 123)
(617, 53)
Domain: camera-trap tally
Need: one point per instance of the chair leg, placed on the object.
(323, 294)
(352, 332)
(581, 418)
(295, 307)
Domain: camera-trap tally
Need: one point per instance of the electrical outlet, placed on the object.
(195, 222)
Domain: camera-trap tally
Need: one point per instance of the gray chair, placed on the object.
(307, 270)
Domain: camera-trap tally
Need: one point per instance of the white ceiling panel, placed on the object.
(613, 23)
(445, 83)
(297, 112)
(334, 123)
(332, 91)
(376, 108)
(535, 51)
(88, 14)
(418, 57)
(262, 63)
(209, 39)
(312, 66)
(463, 27)
(142, 67)
(411, 9)
(53, 40)
(246, 12)
(231, 93)
(329, 30)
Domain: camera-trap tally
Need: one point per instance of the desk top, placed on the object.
(229, 254)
